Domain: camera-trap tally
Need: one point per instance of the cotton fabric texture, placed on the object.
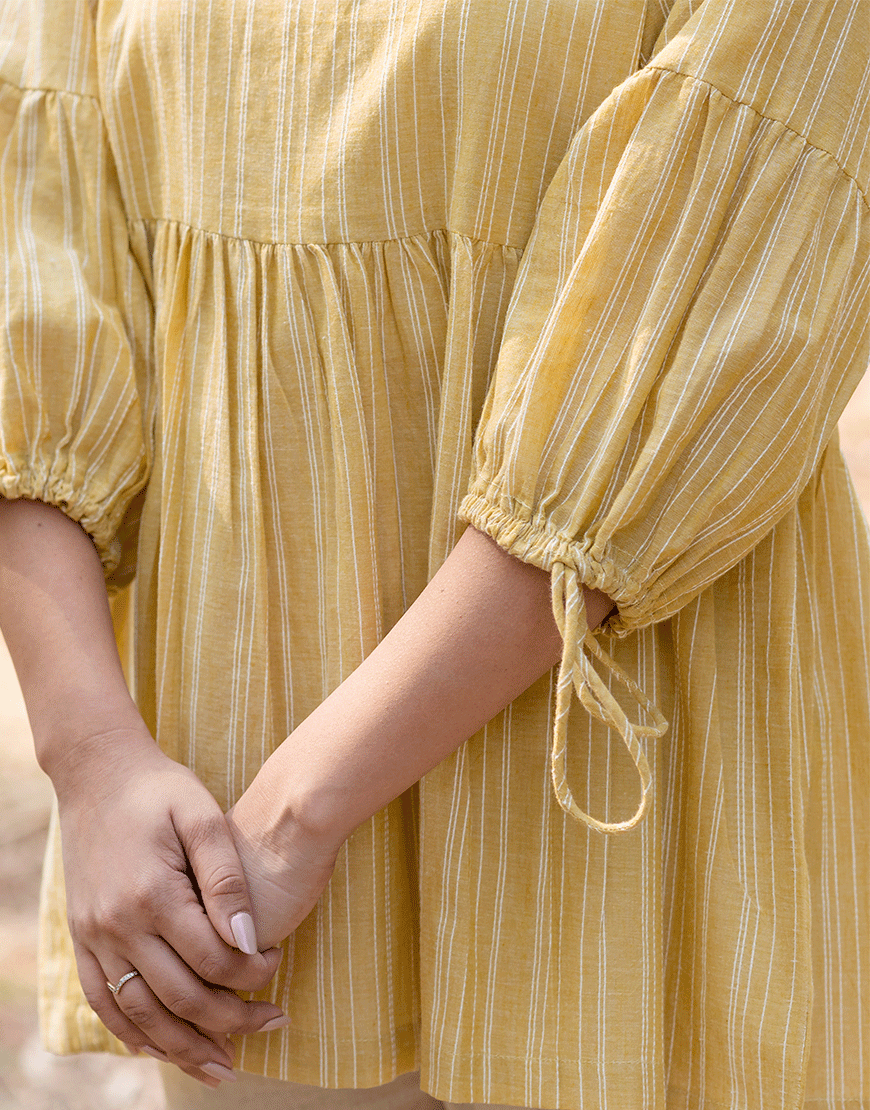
(294, 293)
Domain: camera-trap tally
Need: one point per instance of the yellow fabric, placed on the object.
(577, 672)
(292, 293)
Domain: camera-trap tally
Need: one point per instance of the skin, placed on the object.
(478, 636)
(109, 775)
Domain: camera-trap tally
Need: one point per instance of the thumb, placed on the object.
(223, 888)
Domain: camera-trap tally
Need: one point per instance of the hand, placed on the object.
(286, 866)
(134, 826)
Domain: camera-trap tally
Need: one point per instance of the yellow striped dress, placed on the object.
(292, 294)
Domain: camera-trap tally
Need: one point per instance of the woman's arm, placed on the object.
(478, 636)
(121, 801)
(55, 618)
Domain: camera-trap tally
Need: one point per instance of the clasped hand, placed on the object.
(156, 878)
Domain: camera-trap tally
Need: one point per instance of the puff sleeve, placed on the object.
(689, 321)
(75, 307)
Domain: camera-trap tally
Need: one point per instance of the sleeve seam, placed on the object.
(764, 115)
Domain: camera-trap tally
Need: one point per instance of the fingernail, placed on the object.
(156, 1053)
(218, 1071)
(278, 1022)
(242, 925)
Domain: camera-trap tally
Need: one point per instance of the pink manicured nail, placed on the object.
(274, 1023)
(156, 1053)
(218, 1071)
(242, 925)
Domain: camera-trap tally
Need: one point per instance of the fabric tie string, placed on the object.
(578, 673)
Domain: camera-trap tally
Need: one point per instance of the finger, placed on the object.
(186, 927)
(186, 996)
(223, 1041)
(212, 854)
(100, 1000)
(194, 1073)
(103, 1003)
(154, 1025)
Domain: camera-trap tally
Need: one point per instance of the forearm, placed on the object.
(478, 636)
(54, 615)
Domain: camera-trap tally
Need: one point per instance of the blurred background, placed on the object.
(31, 1079)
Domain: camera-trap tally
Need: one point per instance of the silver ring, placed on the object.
(124, 979)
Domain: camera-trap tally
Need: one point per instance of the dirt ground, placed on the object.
(31, 1079)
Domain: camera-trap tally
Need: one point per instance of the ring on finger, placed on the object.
(124, 979)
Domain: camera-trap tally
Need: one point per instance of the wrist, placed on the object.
(285, 809)
(80, 752)
(275, 834)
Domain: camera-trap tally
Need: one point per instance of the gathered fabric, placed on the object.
(293, 294)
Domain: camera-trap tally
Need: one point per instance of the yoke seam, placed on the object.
(132, 220)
